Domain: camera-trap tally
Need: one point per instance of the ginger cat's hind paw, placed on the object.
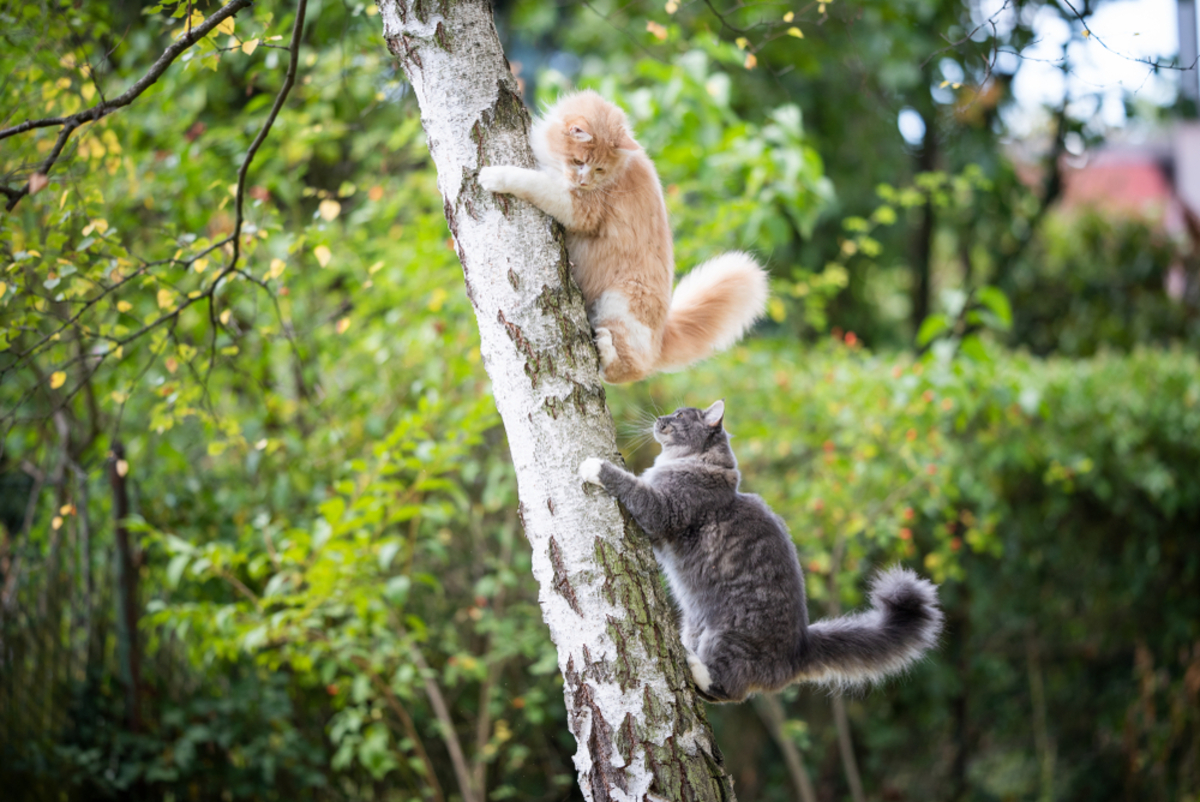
(604, 344)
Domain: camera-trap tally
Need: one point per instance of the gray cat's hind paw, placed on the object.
(699, 672)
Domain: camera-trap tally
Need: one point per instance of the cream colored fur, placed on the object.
(598, 182)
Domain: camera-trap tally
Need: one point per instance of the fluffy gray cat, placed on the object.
(734, 572)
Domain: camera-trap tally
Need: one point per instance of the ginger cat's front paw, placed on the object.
(497, 178)
(604, 344)
(589, 470)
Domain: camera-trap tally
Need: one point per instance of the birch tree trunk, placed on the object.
(640, 729)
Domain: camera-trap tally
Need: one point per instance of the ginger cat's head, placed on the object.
(588, 137)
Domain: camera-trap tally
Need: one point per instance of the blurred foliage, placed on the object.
(324, 511)
(1093, 282)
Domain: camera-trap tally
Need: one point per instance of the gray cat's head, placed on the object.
(689, 432)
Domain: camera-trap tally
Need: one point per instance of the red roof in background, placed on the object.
(1127, 183)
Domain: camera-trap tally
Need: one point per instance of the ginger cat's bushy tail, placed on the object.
(711, 308)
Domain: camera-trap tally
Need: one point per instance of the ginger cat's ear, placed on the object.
(578, 134)
(627, 142)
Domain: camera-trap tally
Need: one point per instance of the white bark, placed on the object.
(641, 730)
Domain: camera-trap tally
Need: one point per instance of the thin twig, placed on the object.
(105, 107)
(410, 729)
(438, 702)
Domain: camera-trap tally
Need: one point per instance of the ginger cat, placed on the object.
(598, 182)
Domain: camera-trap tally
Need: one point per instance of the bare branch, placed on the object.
(105, 107)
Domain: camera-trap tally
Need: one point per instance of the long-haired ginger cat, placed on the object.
(598, 182)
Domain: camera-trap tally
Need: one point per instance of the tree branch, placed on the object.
(106, 107)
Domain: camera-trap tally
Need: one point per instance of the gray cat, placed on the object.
(734, 572)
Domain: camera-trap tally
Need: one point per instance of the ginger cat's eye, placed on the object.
(577, 162)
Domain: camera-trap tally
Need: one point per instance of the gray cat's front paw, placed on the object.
(497, 178)
(589, 470)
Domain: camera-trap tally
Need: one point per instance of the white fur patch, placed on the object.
(612, 305)
(604, 344)
(544, 191)
(589, 470)
(699, 672)
(500, 178)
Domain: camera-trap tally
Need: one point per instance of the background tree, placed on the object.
(333, 596)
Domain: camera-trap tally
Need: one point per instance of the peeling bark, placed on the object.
(640, 728)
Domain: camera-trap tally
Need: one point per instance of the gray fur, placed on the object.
(734, 572)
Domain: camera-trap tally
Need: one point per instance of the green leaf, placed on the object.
(974, 349)
(176, 567)
(931, 327)
(995, 300)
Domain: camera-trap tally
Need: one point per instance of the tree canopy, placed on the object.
(260, 533)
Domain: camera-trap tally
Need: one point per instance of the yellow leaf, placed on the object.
(99, 224)
(57, 379)
(329, 209)
(124, 306)
(777, 310)
(372, 270)
(200, 265)
(372, 10)
(249, 46)
(119, 397)
(660, 33)
(122, 467)
(437, 299)
(788, 17)
(277, 268)
(225, 316)
(66, 509)
(194, 294)
(166, 298)
(672, 6)
(943, 84)
(1086, 33)
(56, 522)
(261, 444)
(323, 255)
(3, 288)
(820, 8)
(342, 325)
(215, 448)
(742, 42)
(225, 26)
(796, 32)
(751, 61)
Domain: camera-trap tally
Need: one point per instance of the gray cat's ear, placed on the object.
(715, 414)
(577, 133)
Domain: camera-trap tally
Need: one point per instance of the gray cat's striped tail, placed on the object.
(904, 621)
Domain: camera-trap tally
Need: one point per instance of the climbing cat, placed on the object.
(733, 570)
(598, 182)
